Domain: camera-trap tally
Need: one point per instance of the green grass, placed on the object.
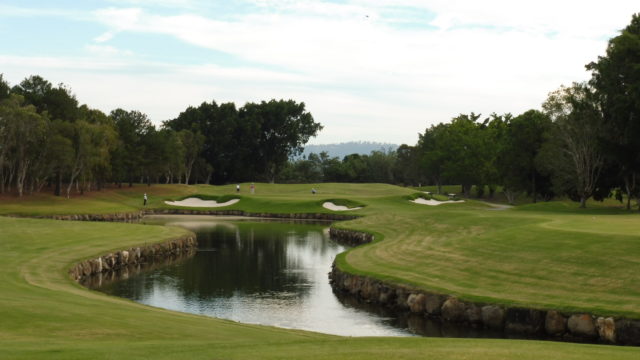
(543, 255)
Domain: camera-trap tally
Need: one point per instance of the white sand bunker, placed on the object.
(333, 207)
(195, 202)
(434, 202)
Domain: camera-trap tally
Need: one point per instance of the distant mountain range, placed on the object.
(354, 147)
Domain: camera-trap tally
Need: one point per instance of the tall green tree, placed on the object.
(34, 89)
(192, 144)
(432, 154)
(572, 155)
(283, 128)
(23, 131)
(405, 169)
(523, 138)
(129, 156)
(465, 151)
(616, 77)
(5, 89)
(228, 143)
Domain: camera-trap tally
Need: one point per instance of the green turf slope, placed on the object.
(45, 315)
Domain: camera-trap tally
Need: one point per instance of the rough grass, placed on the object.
(545, 255)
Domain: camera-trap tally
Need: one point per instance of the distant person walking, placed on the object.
(238, 188)
(313, 191)
(145, 199)
(253, 188)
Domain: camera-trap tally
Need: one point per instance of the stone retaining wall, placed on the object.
(133, 256)
(140, 214)
(350, 237)
(554, 324)
(96, 281)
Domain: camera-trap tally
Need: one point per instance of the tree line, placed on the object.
(583, 143)
(48, 140)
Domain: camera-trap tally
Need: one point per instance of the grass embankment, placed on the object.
(540, 255)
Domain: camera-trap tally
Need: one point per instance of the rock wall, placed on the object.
(122, 259)
(96, 281)
(350, 237)
(581, 327)
(120, 217)
(133, 216)
(301, 216)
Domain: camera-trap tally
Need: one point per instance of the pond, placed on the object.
(257, 272)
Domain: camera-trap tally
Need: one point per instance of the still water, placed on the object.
(269, 273)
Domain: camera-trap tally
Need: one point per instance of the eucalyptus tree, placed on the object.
(173, 152)
(106, 141)
(23, 131)
(227, 145)
(192, 143)
(572, 155)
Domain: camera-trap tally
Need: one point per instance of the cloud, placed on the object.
(104, 37)
(389, 68)
(107, 50)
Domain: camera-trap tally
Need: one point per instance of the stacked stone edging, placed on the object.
(133, 216)
(133, 256)
(302, 216)
(120, 217)
(350, 237)
(582, 327)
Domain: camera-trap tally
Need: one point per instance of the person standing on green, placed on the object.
(145, 199)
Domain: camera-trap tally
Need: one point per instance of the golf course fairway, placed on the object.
(547, 255)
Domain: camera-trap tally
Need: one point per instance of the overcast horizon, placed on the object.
(368, 71)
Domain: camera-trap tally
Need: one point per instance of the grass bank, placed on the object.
(535, 255)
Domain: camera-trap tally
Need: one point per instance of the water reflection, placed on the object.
(270, 273)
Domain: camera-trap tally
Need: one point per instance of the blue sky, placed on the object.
(367, 70)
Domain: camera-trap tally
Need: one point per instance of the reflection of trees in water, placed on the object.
(255, 258)
(251, 258)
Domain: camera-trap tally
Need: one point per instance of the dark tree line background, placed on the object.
(48, 140)
(584, 142)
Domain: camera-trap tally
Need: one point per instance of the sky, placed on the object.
(379, 71)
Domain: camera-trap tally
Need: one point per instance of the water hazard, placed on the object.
(269, 273)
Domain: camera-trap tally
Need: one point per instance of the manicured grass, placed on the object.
(537, 256)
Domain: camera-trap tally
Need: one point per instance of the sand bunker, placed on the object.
(195, 202)
(333, 207)
(434, 202)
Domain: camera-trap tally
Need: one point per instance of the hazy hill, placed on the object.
(354, 147)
